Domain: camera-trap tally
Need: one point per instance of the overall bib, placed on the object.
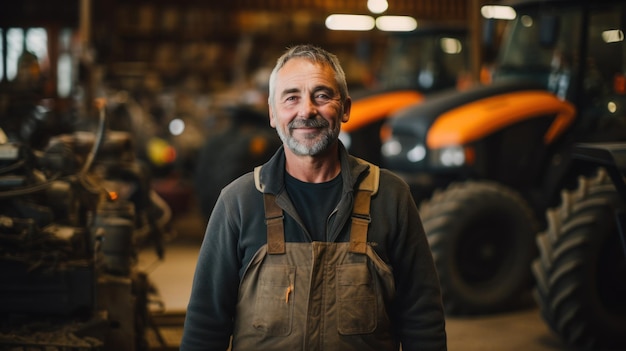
(318, 295)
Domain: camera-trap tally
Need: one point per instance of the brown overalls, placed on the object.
(319, 295)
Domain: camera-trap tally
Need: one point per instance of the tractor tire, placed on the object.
(482, 236)
(581, 270)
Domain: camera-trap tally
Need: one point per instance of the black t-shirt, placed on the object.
(314, 202)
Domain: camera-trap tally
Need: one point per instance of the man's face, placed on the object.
(307, 109)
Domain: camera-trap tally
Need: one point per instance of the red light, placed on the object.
(619, 84)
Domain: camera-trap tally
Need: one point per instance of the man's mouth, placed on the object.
(308, 124)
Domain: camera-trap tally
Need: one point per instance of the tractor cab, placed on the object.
(576, 52)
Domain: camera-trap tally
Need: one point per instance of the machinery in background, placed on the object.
(72, 217)
(247, 141)
(485, 163)
(75, 203)
(581, 269)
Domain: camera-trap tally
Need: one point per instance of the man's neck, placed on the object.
(313, 169)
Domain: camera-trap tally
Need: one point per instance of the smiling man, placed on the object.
(316, 249)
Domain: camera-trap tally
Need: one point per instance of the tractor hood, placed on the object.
(445, 124)
(375, 106)
(419, 118)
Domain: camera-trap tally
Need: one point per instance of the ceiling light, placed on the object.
(396, 23)
(498, 12)
(451, 46)
(613, 36)
(350, 22)
(377, 6)
(526, 21)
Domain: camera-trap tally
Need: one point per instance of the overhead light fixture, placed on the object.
(396, 23)
(377, 6)
(613, 36)
(350, 22)
(498, 12)
(451, 46)
(526, 21)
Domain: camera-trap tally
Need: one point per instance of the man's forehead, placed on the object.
(299, 63)
(298, 73)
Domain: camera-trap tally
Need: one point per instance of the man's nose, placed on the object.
(307, 108)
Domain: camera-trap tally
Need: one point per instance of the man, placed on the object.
(315, 250)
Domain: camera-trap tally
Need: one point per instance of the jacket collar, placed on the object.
(273, 172)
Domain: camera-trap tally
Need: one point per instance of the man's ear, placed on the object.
(272, 119)
(347, 105)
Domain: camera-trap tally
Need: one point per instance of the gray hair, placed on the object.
(313, 54)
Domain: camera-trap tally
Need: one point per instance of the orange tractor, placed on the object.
(487, 162)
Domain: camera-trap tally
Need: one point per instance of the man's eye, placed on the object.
(322, 98)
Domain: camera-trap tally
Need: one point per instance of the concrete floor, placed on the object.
(522, 330)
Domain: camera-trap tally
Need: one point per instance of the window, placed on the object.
(15, 47)
(19, 43)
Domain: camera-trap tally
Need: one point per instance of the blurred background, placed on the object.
(121, 121)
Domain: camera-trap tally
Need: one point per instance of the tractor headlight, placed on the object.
(416, 154)
(393, 148)
(451, 156)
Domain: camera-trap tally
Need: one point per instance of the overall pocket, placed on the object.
(273, 311)
(356, 299)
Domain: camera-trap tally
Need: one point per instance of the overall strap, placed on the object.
(361, 210)
(273, 219)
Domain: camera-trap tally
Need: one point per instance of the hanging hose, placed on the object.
(100, 105)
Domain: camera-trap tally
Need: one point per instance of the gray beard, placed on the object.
(327, 137)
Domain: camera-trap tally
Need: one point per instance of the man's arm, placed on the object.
(417, 309)
(210, 313)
